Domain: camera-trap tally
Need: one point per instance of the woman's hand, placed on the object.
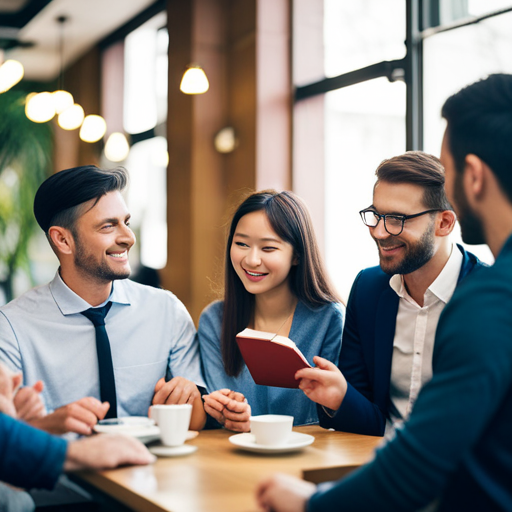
(229, 408)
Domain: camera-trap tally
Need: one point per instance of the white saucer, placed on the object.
(172, 451)
(150, 434)
(128, 423)
(296, 442)
(140, 427)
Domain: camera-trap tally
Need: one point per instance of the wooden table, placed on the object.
(221, 477)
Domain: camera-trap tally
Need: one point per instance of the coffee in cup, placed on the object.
(271, 429)
(173, 421)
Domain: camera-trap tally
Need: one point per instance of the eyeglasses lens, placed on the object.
(393, 225)
(370, 219)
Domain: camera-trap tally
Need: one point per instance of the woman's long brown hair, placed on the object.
(290, 219)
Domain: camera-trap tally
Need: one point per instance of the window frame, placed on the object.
(422, 21)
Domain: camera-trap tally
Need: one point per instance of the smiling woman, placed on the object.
(274, 282)
(261, 259)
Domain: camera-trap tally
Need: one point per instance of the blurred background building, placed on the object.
(307, 95)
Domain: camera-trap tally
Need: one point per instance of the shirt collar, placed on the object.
(70, 303)
(445, 283)
(397, 284)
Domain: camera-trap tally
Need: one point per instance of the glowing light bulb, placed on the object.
(194, 81)
(117, 147)
(62, 100)
(11, 72)
(39, 108)
(93, 128)
(72, 117)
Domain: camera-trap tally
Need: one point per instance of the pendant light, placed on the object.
(62, 99)
(11, 72)
(71, 118)
(117, 147)
(194, 80)
(40, 108)
(93, 128)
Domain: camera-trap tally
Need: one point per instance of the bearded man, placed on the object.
(393, 309)
(104, 346)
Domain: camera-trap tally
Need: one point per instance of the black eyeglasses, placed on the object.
(393, 224)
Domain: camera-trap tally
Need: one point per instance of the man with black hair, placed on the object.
(456, 447)
(103, 345)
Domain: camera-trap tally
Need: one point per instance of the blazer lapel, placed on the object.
(387, 310)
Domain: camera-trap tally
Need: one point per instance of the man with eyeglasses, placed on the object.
(393, 309)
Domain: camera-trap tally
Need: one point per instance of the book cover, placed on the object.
(271, 359)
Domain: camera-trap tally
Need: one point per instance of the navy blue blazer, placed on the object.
(367, 351)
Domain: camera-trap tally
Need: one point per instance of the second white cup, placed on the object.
(173, 421)
(271, 429)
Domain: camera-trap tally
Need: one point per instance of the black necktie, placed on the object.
(106, 369)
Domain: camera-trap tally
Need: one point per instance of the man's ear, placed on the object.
(445, 222)
(62, 239)
(474, 177)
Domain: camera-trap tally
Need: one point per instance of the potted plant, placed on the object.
(25, 158)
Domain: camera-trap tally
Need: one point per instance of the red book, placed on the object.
(272, 359)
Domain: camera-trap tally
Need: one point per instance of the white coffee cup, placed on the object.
(271, 429)
(173, 421)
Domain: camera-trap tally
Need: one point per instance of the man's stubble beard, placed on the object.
(90, 266)
(417, 254)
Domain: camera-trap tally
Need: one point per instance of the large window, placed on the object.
(388, 66)
(358, 33)
(455, 58)
(142, 114)
(364, 124)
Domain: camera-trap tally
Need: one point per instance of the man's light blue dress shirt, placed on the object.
(43, 334)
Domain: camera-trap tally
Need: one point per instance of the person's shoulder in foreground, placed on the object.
(31, 458)
(472, 364)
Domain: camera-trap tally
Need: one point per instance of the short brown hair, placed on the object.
(417, 168)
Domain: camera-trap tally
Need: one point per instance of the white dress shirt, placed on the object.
(413, 344)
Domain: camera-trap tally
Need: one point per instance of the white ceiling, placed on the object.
(89, 21)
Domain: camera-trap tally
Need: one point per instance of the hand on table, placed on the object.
(284, 493)
(9, 383)
(28, 402)
(176, 391)
(229, 408)
(79, 417)
(106, 452)
(181, 391)
(324, 384)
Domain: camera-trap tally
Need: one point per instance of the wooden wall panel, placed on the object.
(223, 36)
